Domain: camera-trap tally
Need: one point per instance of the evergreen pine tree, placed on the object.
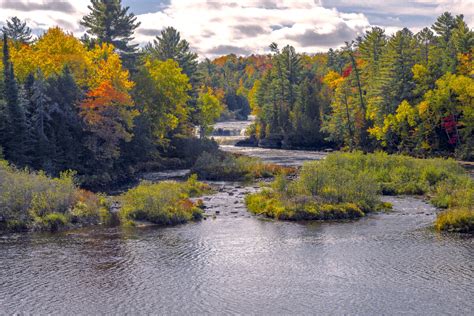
(443, 28)
(65, 121)
(15, 127)
(109, 22)
(169, 45)
(40, 122)
(18, 31)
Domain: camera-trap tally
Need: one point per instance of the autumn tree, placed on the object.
(107, 114)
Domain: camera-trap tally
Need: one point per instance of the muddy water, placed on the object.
(233, 262)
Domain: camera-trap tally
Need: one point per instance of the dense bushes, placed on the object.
(322, 191)
(30, 200)
(347, 185)
(456, 220)
(163, 203)
(231, 167)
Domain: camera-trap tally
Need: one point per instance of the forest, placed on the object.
(107, 109)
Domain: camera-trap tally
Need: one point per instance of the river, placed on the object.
(236, 263)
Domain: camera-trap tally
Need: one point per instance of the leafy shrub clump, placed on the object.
(456, 220)
(267, 203)
(34, 201)
(231, 167)
(321, 192)
(163, 203)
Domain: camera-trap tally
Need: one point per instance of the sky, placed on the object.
(218, 27)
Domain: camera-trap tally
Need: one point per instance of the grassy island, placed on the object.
(348, 185)
(162, 203)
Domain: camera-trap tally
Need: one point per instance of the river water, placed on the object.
(235, 263)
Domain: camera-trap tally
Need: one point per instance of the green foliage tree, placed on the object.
(164, 92)
(209, 110)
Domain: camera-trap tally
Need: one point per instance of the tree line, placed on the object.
(407, 93)
(108, 109)
(99, 105)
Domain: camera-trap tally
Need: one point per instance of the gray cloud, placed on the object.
(280, 26)
(250, 30)
(65, 24)
(60, 6)
(148, 32)
(228, 49)
(267, 4)
(208, 33)
(311, 38)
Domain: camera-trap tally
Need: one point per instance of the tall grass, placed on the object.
(32, 200)
(163, 203)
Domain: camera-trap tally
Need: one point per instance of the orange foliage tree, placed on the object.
(108, 115)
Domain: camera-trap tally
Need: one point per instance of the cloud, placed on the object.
(43, 14)
(148, 32)
(250, 30)
(215, 27)
(228, 49)
(61, 6)
(249, 26)
(311, 38)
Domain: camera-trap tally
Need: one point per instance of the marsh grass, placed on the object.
(162, 203)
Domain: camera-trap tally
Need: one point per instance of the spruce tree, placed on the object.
(40, 123)
(371, 48)
(400, 58)
(16, 128)
(66, 125)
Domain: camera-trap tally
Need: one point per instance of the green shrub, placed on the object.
(27, 199)
(52, 222)
(163, 203)
(267, 203)
(456, 220)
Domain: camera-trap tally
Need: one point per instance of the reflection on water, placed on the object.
(236, 263)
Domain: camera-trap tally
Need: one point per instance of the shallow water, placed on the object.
(233, 262)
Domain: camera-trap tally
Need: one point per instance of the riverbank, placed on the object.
(32, 201)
